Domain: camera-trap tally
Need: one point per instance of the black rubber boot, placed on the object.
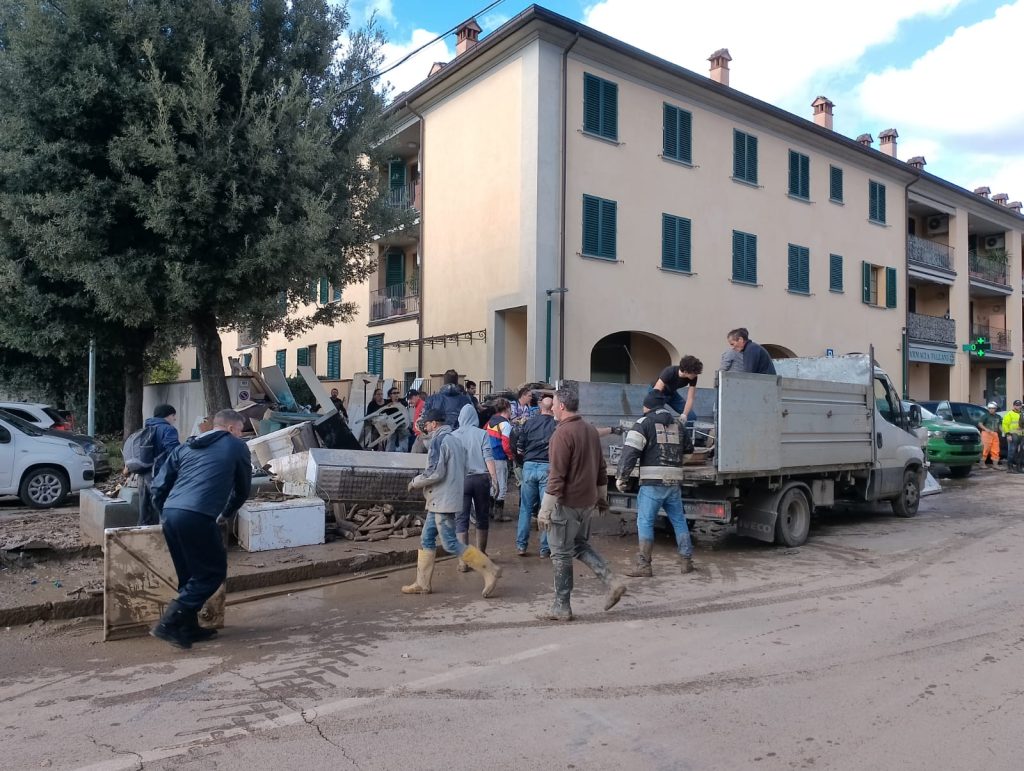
(173, 626)
(594, 561)
(561, 610)
(481, 539)
(197, 633)
(685, 564)
(642, 569)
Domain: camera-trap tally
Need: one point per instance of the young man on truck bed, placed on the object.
(673, 379)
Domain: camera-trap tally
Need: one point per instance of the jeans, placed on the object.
(501, 466)
(675, 401)
(653, 498)
(535, 481)
(476, 493)
(445, 524)
(197, 550)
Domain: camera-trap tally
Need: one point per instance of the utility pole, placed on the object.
(92, 389)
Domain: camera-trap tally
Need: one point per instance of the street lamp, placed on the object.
(547, 341)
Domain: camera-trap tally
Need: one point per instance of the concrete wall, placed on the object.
(187, 398)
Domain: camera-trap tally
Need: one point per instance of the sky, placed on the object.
(941, 72)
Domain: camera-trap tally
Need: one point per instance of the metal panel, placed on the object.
(855, 368)
(139, 581)
(605, 404)
(359, 476)
(824, 423)
(749, 423)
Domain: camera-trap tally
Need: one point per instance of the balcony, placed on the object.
(931, 330)
(990, 274)
(998, 337)
(402, 197)
(930, 260)
(394, 302)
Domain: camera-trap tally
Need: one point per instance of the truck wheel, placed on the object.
(43, 488)
(905, 504)
(794, 518)
(960, 472)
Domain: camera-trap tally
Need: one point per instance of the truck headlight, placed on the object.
(78, 449)
(934, 434)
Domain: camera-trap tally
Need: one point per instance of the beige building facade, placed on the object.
(586, 210)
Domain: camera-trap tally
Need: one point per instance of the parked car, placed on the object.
(40, 415)
(96, 449)
(960, 412)
(39, 467)
(950, 443)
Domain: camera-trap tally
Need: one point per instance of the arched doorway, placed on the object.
(629, 357)
(778, 351)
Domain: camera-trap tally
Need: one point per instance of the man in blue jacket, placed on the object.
(165, 439)
(203, 480)
(755, 358)
(450, 399)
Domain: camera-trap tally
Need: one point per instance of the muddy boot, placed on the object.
(462, 538)
(173, 626)
(561, 610)
(642, 569)
(685, 564)
(482, 564)
(498, 510)
(616, 587)
(424, 573)
(197, 633)
(481, 540)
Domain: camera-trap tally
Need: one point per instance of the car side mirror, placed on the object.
(915, 415)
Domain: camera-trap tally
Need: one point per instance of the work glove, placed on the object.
(617, 430)
(414, 484)
(494, 489)
(602, 498)
(622, 484)
(547, 508)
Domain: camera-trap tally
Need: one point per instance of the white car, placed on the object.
(41, 415)
(40, 468)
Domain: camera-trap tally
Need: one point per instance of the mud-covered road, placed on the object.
(881, 643)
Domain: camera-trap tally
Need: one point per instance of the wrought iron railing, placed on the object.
(401, 197)
(934, 330)
(988, 269)
(998, 338)
(921, 251)
(395, 300)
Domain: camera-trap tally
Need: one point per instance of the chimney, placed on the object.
(466, 36)
(866, 139)
(1014, 206)
(822, 108)
(720, 66)
(887, 139)
(435, 68)
(982, 191)
(1001, 198)
(918, 162)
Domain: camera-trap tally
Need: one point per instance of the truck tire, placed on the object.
(793, 522)
(906, 503)
(44, 487)
(960, 472)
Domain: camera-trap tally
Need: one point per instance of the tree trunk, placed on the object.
(211, 364)
(134, 378)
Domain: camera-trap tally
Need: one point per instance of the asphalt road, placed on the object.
(881, 643)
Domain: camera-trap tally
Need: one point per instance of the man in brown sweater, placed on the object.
(577, 486)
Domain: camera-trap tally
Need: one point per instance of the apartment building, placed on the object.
(587, 210)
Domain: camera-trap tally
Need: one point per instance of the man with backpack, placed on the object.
(145, 452)
(202, 481)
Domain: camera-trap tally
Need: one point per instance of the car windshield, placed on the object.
(22, 425)
(926, 414)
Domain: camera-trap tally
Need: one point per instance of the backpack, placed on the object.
(138, 450)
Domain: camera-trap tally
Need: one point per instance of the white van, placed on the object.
(40, 469)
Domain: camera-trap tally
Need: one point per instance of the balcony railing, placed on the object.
(402, 197)
(930, 254)
(988, 269)
(998, 337)
(932, 330)
(394, 301)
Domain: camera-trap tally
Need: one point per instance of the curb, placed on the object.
(93, 606)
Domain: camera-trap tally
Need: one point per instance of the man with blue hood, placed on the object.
(481, 480)
(443, 485)
(165, 439)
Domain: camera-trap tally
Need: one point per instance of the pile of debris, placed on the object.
(374, 523)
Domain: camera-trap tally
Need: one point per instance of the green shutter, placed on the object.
(396, 174)
(799, 268)
(890, 287)
(739, 154)
(876, 201)
(591, 229)
(738, 243)
(865, 274)
(281, 358)
(394, 268)
(600, 106)
(751, 159)
(881, 203)
(835, 183)
(591, 103)
(835, 272)
(302, 357)
(375, 354)
(325, 290)
(794, 264)
(805, 177)
(336, 294)
(609, 109)
(675, 243)
(799, 175)
(312, 291)
(750, 258)
(608, 229)
(670, 132)
(794, 174)
(744, 257)
(685, 136)
(334, 360)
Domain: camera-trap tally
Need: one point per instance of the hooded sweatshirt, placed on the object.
(444, 478)
(451, 399)
(165, 440)
(210, 474)
(474, 440)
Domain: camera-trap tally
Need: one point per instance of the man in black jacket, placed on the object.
(202, 481)
(755, 358)
(450, 399)
(530, 445)
(656, 442)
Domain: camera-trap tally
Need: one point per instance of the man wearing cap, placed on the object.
(1012, 432)
(657, 443)
(443, 484)
(989, 427)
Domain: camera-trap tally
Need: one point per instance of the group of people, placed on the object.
(1011, 426)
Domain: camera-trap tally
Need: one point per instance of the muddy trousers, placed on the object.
(476, 493)
(653, 498)
(989, 446)
(197, 550)
(569, 538)
(443, 524)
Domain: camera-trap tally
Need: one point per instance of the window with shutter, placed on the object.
(835, 184)
(675, 243)
(744, 162)
(325, 290)
(744, 257)
(890, 287)
(599, 227)
(394, 271)
(600, 107)
(375, 354)
(302, 357)
(334, 360)
(871, 277)
(799, 269)
(281, 359)
(678, 134)
(799, 175)
(335, 294)
(876, 201)
(835, 273)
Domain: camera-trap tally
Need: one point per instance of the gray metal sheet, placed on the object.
(749, 423)
(855, 368)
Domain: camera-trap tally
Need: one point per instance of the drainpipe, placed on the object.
(423, 188)
(905, 348)
(561, 255)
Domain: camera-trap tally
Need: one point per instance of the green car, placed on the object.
(951, 444)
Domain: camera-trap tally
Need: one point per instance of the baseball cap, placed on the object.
(412, 392)
(435, 414)
(992, 405)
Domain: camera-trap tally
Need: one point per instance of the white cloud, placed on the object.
(777, 48)
(492, 21)
(365, 9)
(417, 68)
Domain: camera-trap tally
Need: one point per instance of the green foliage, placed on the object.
(300, 390)
(165, 371)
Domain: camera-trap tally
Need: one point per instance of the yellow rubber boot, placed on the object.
(424, 573)
(482, 564)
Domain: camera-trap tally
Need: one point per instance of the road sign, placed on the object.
(830, 352)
